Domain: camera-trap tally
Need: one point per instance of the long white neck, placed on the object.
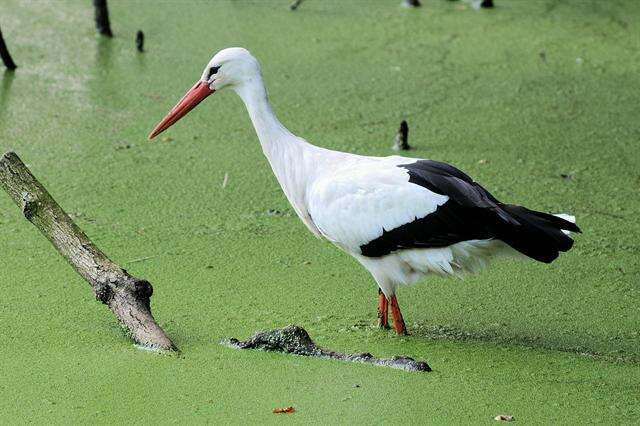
(291, 158)
(272, 134)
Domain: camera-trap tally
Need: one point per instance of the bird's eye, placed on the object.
(212, 71)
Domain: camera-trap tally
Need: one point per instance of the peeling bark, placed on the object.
(128, 297)
(295, 340)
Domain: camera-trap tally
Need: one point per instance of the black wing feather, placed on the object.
(472, 213)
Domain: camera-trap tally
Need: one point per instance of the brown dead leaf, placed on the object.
(285, 410)
(504, 418)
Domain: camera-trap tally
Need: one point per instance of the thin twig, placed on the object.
(141, 259)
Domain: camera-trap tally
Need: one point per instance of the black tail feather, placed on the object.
(536, 234)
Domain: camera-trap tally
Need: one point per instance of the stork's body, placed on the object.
(401, 218)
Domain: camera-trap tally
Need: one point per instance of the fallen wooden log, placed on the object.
(295, 340)
(128, 297)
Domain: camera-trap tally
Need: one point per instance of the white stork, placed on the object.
(401, 218)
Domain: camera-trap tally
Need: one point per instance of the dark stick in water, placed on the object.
(402, 137)
(6, 57)
(412, 3)
(140, 41)
(295, 340)
(295, 4)
(102, 18)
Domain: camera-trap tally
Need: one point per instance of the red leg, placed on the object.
(398, 322)
(383, 310)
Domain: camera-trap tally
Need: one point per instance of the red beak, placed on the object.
(189, 101)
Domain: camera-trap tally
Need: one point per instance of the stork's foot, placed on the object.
(398, 321)
(383, 311)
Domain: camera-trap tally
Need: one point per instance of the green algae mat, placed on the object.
(538, 100)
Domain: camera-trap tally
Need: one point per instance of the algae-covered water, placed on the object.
(516, 96)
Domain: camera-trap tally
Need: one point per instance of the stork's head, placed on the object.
(230, 67)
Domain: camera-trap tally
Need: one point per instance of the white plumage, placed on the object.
(401, 218)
